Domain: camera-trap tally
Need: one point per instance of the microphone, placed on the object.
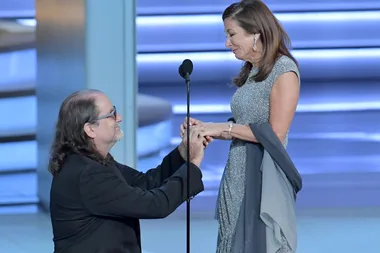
(185, 70)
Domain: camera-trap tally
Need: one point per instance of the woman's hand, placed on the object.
(194, 122)
(217, 130)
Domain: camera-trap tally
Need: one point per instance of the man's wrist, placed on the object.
(196, 162)
(182, 151)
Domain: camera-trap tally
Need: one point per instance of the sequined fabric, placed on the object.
(249, 104)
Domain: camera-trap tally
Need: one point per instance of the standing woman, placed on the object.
(268, 88)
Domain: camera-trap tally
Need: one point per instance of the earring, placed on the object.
(254, 44)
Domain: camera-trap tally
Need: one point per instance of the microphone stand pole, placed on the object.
(187, 78)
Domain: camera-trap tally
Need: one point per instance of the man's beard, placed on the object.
(119, 135)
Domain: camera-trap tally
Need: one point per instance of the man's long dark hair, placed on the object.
(76, 110)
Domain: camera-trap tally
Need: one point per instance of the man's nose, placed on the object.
(118, 118)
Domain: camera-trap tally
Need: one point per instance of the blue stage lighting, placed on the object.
(288, 17)
(322, 107)
(229, 56)
(18, 155)
(18, 116)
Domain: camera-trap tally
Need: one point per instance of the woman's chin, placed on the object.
(237, 56)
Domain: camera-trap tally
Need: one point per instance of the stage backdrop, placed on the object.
(334, 139)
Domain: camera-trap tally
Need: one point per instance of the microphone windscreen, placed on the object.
(187, 66)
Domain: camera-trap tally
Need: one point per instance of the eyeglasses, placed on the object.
(113, 114)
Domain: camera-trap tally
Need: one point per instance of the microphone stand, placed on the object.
(187, 80)
(185, 71)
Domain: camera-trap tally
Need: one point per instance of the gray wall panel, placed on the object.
(60, 71)
(75, 52)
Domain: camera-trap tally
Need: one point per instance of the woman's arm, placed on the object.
(283, 103)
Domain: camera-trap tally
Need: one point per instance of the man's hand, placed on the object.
(196, 145)
(194, 122)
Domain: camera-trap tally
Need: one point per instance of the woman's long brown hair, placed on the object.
(255, 17)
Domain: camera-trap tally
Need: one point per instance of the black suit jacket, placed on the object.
(95, 208)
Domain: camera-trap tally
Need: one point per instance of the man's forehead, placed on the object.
(103, 102)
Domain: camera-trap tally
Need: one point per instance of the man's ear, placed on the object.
(89, 130)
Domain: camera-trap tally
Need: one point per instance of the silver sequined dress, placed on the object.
(249, 104)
